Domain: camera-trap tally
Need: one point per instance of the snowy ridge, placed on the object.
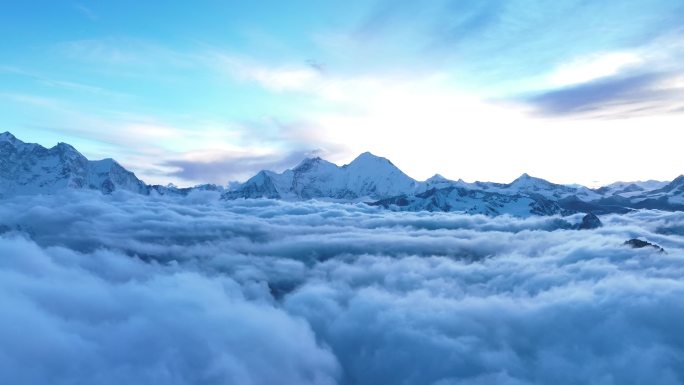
(27, 168)
(474, 201)
(366, 177)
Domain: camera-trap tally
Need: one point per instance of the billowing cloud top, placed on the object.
(129, 289)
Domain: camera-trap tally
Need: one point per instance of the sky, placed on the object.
(572, 91)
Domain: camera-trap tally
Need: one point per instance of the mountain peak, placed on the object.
(35, 169)
(368, 155)
(525, 181)
(436, 178)
(307, 163)
(7, 137)
(369, 159)
(676, 184)
(525, 177)
(314, 164)
(66, 148)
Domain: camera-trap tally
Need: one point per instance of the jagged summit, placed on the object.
(309, 160)
(309, 163)
(676, 184)
(371, 177)
(525, 180)
(7, 137)
(67, 150)
(367, 158)
(371, 164)
(436, 178)
(366, 177)
(65, 146)
(27, 168)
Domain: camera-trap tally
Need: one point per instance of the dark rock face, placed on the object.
(590, 221)
(639, 244)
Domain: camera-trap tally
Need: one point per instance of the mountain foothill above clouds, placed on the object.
(27, 168)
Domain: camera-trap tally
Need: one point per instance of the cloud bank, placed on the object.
(127, 289)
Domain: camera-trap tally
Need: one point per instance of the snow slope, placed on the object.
(27, 168)
(366, 177)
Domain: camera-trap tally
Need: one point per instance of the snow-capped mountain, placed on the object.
(627, 189)
(526, 184)
(366, 177)
(27, 168)
(172, 190)
(377, 181)
(534, 196)
(438, 181)
(668, 196)
(525, 196)
(474, 201)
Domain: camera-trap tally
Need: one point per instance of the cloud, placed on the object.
(644, 81)
(87, 12)
(615, 97)
(230, 167)
(345, 111)
(109, 319)
(496, 46)
(133, 289)
(274, 78)
(585, 69)
(121, 54)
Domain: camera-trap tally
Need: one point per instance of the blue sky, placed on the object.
(211, 91)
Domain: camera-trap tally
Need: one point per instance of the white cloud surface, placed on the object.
(127, 289)
(592, 67)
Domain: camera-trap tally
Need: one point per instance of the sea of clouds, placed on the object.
(124, 289)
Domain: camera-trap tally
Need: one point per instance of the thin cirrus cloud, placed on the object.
(616, 97)
(259, 291)
(642, 82)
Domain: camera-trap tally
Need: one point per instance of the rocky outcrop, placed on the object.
(636, 243)
(589, 222)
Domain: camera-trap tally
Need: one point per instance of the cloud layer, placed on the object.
(127, 289)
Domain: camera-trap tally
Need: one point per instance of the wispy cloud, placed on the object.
(223, 166)
(61, 83)
(641, 82)
(35, 100)
(125, 53)
(616, 97)
(592, 67)
(277, 78)
(87, 12)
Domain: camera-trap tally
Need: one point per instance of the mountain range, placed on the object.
(27, 168)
